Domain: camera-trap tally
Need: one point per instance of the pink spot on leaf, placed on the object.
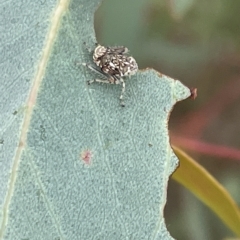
(86, 156)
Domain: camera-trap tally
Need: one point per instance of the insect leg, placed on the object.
(96, 70)
(108, 78)
(98, 80)
(122, 93)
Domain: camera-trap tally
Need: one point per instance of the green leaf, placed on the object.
(204, 186)
(75, 164)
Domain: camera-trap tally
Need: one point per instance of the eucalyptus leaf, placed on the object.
(74, 163)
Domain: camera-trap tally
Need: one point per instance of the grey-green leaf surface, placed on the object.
(74, 164)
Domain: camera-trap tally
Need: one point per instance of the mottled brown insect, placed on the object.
(114, 64)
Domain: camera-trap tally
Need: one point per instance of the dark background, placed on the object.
(197, 42)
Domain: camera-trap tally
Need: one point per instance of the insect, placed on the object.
(114, 64)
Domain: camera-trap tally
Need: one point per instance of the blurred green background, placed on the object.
(197, 42)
